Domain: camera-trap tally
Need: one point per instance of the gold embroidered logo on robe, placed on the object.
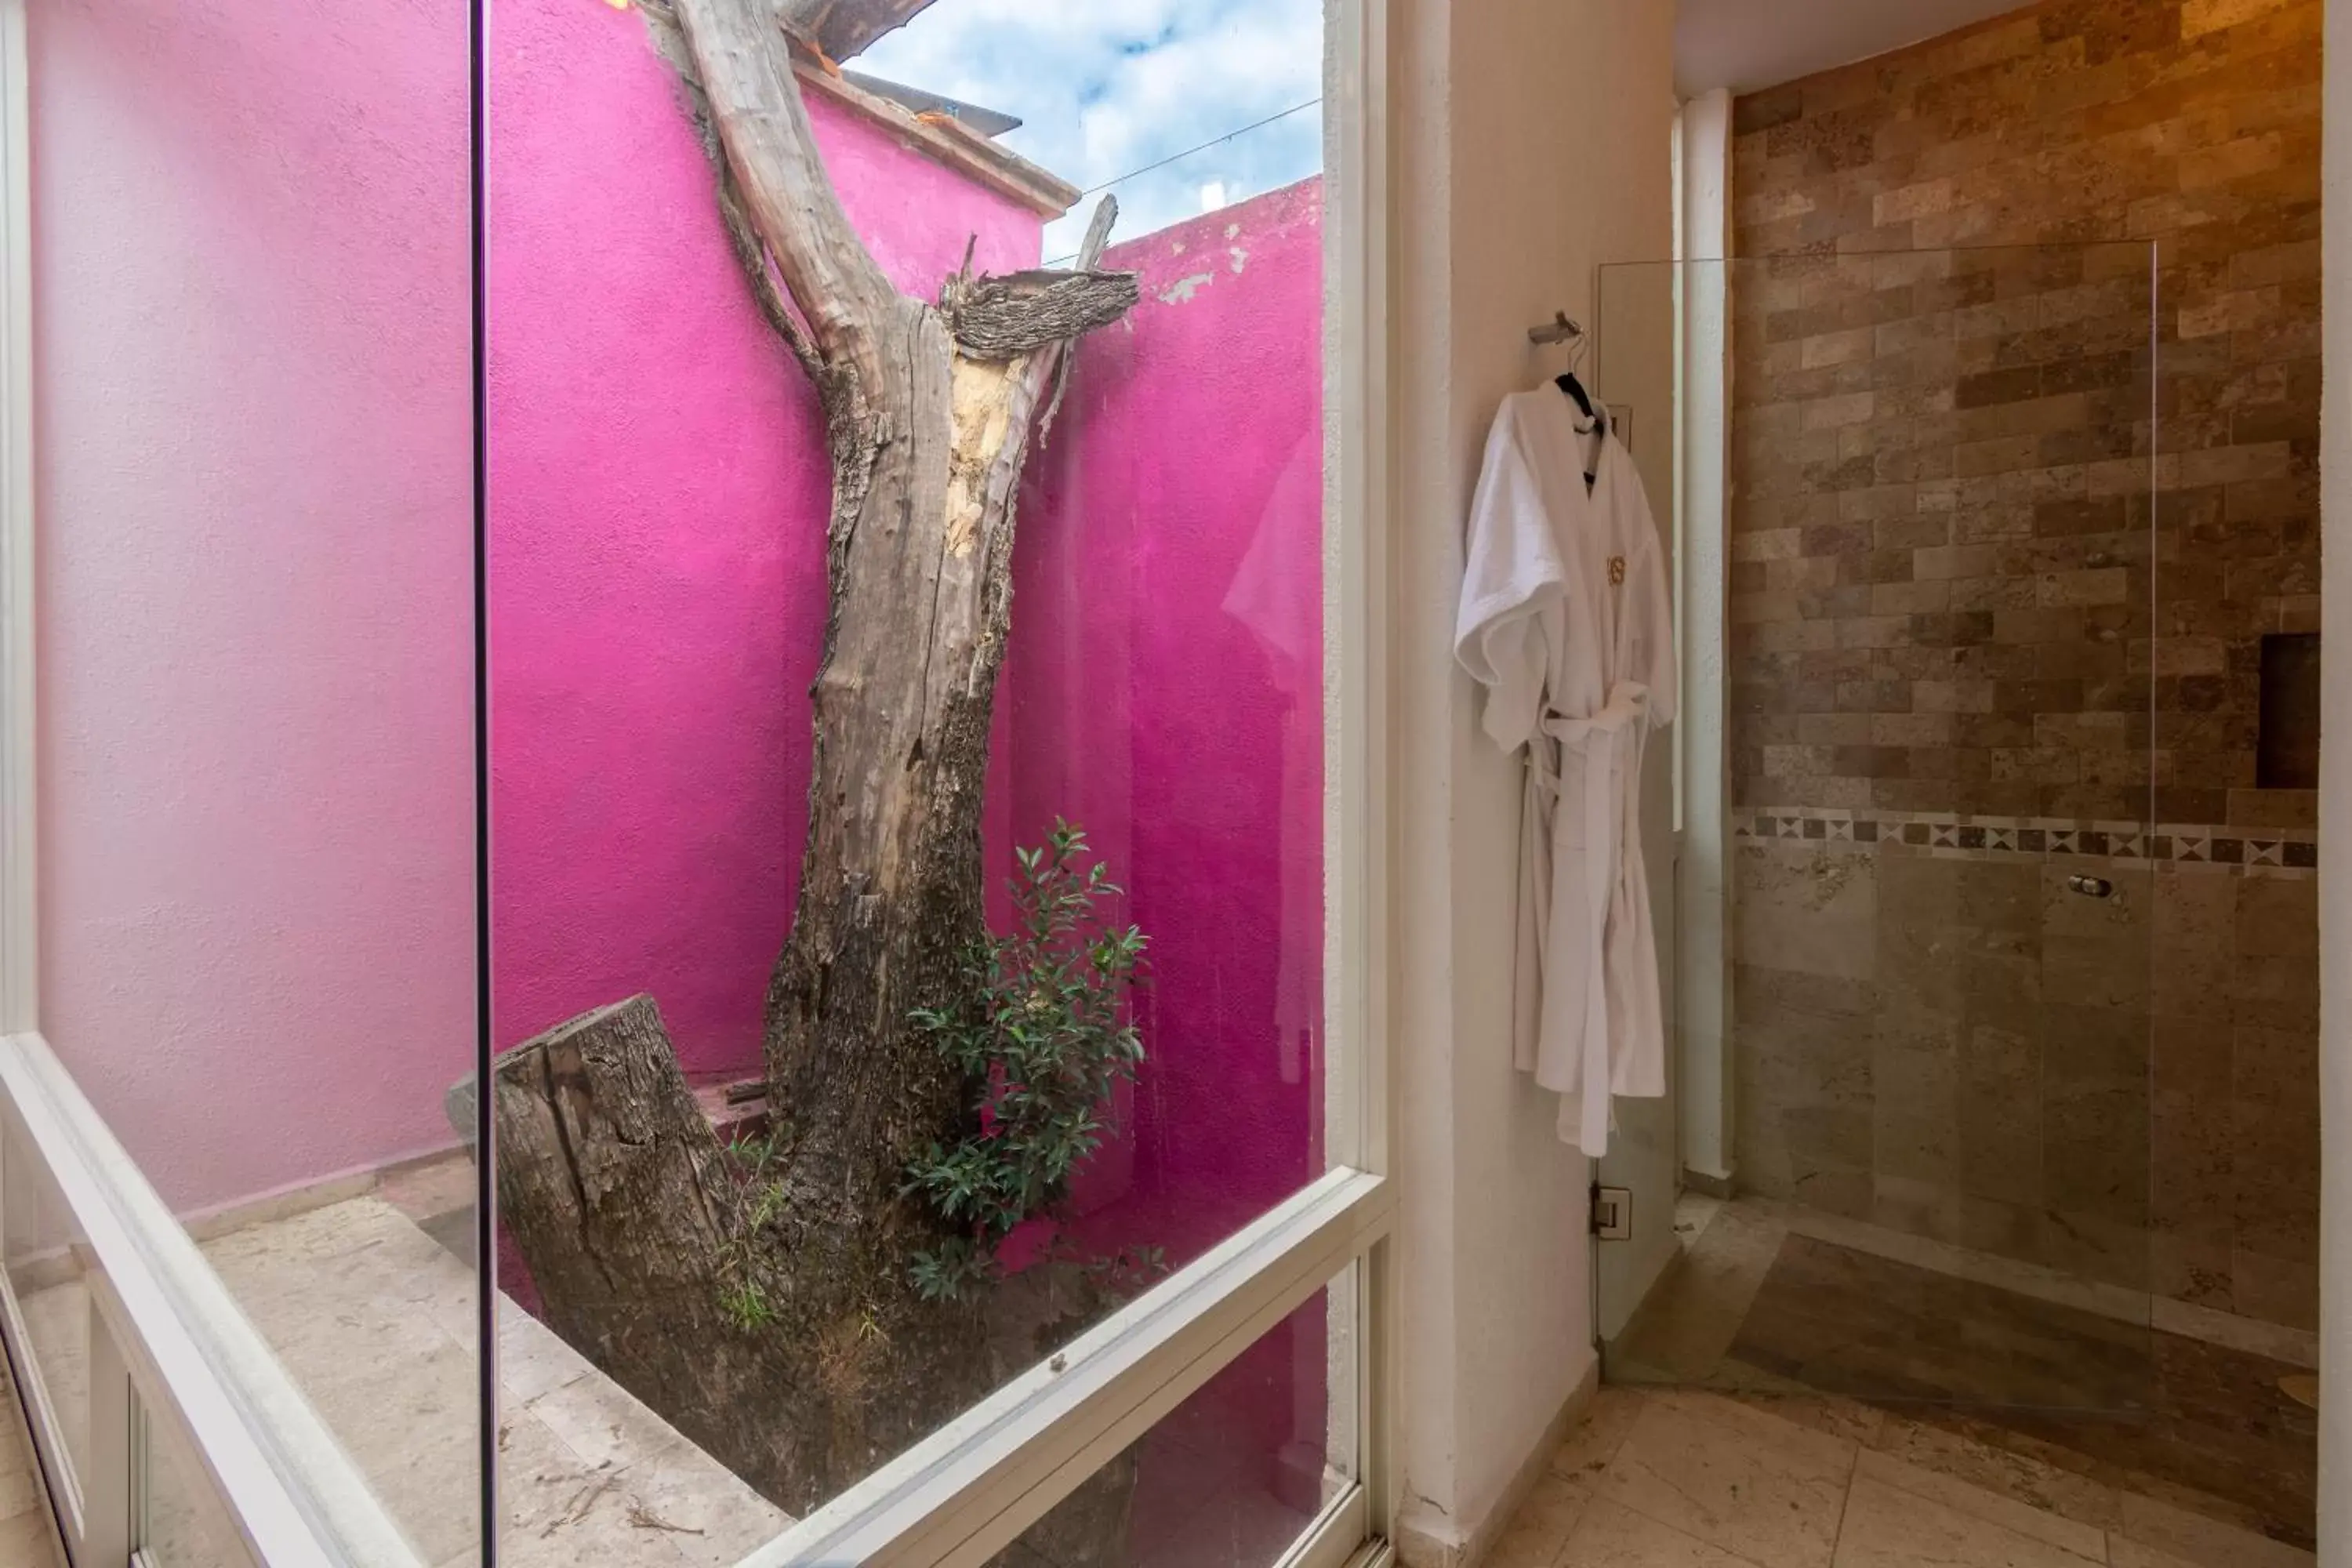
(1616, 571)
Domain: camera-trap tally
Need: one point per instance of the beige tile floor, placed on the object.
(1676, 1479)
(374, 1321)
(2220, 1438)
(24, 1539)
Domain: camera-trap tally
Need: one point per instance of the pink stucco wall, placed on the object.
(658, 498)
(658, 505)
(255, 577)
(1164, 688)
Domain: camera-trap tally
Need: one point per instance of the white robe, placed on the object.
(1565, 620)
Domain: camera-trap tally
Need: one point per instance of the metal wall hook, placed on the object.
(1561, 331)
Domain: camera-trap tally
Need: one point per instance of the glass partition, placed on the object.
(909, 922)
(1916, 1067)
(239, 872)
(916, 1014)
(1241, 1473)
(48, 1307)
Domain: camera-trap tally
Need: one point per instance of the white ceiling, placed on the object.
(1746, 44)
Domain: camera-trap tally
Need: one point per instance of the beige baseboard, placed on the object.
(285, 1202)
(1724, 1187)
(1426, 1538)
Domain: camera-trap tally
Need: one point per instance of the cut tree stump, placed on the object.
(598, 1135)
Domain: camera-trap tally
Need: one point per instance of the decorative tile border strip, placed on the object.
(2039, 838)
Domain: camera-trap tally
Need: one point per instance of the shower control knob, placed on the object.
(2090, 886)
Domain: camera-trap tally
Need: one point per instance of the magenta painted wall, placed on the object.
(255, 577)
(658, 497)
(1164, 688)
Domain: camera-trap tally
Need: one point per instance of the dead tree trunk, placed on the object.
(774, 1320)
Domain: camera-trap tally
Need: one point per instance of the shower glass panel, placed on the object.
(1919, 860)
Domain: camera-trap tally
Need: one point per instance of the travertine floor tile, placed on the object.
(559, 1513)
(375, 1321)
(2207, 1542)
(1847, 1419)
(1599, 1436)
(26, 1543)
(1703, 1481)
(1889, 1529)
(18, 1491)
(1735, 1477)
(1540, 1530)
(24, 1540)
(2017, 1476)
(602, 1421)
(2123, 1553)
(1610, 1536)
(532, 1359)
(712, 1518)
(1684, 1335)
(2083, 1541)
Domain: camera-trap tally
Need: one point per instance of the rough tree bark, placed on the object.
(631, 1216)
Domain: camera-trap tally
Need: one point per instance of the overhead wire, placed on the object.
(1213, 141)
(1179, 157)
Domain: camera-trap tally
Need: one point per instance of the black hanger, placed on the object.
(1568, 383)
(1565, 381)
(1563, 330)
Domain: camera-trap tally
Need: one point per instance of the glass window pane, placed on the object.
(1233, 1476)
(179, 1524)
(969, 1000)
(24, 1504)
(256, 636)
(46, 1266)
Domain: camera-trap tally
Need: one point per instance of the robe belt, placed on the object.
(1629, 701)
(1597, 738)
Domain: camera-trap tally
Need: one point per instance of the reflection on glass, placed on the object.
(372, 1313)
(46, 1266)
(1939, 835)
(1232, 1477)
(178, 1523)
(1048, 1018)
(255, 644)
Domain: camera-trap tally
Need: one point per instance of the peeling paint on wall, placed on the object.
(1181, 292)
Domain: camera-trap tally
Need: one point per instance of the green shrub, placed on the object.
(1042, 1031)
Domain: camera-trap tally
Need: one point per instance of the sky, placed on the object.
(1105, 87)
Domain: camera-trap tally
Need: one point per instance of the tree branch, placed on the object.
(1090, 256)
(753, 257)
(1005, 317)
(743, 62)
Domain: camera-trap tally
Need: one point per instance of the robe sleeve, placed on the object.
(1514, 570)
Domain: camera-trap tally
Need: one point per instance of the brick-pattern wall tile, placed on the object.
(1992, 502)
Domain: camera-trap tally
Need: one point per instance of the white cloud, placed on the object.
(1105, 87)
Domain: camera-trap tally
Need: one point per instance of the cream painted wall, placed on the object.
(1533, 141)
(2336, 810)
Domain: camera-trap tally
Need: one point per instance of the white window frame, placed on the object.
(970, 1489)
(161, 1329)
